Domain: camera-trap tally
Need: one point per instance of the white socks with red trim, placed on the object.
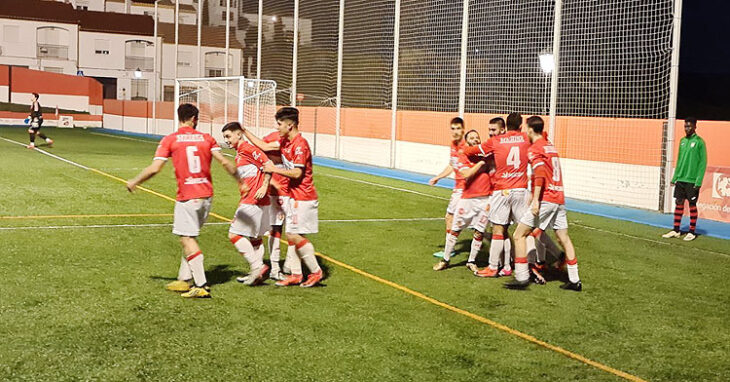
(184, 273)
(476, 245)
(522, 272)
(572, 266)
(253, 255)
(292, 262)
(305, 250)
(495, 250)
(195, 261)
(275, 250)
(506, 263)
(450, 244)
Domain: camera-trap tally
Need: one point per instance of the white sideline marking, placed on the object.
(125, 138)
(212, 223)
(384, 186)
(47, 153)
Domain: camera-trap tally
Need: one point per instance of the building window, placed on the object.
(184, 58)
(82, 7)
(168, 93)
(222, 3)
(215, 73)
(53, 69)
(11, 33)
(223, 16)
(101, 46)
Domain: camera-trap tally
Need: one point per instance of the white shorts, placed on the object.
(455, 197)
(551, 215)
(302, 216)
(277, 214)
(506, 204)
(190, 215)
(250, 220)
(472, 213)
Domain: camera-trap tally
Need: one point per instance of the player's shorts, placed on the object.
(472, 212)
(250, 220)
(684, 190)
(506, 204)
(551, 215)
(190, 215)
(455, 197)
(277, 212)
(36, 123)
(302, 216)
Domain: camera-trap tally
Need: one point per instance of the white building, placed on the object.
(117, 49)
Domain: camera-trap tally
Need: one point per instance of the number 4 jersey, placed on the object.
(510, 159)
(191, 153)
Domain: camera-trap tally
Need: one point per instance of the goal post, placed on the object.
(249, 101)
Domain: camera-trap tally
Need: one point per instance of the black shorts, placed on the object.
(40, 123)
(684, 190)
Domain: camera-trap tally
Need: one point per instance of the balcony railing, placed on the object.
(143, 63)
(53, 51)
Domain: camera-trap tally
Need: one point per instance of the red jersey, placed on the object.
(295, 153)
(456, 151)
(546, 164)
(478, 184)
(510, 159)
(279, 183)
(191, 154)
(250, 166)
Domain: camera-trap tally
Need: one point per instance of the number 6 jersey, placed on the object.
(191, 155)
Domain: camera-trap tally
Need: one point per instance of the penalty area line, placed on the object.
(405, 289)
(83, 216)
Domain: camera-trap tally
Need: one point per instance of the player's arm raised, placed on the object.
(150, 171)
(258, 142)
(485, 149)
(443, 174)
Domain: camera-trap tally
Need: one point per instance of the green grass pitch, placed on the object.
(87, 303)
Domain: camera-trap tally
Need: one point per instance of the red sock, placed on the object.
(678, 212)
(692, 217)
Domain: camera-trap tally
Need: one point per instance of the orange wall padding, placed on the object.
(35, 81)
(4, 72)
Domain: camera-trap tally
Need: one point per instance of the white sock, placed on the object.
(448, 233)
(306, 253)
(476, 245)
(246, 249)
(184, 272)
(573, 272)
(450, 244)
(274, 251)
(197, 268)
(495, 250)
(507, 254)
(522, 272)
(292, 261)
(531, 248)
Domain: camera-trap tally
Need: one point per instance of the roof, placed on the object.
(121, 23)
(188, 35)
(39, 11)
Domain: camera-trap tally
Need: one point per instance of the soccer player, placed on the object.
(302, 209)
(191, 153)
(510, 195)
(36, 121)
(279, 199)
(251, 220)
(457, 144)
(472, 207)
(547, 208)
(497, 127)
(687, 179)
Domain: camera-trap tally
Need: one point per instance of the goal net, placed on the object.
(220, 100)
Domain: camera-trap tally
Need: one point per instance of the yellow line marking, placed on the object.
(433, 301)
(84, 216)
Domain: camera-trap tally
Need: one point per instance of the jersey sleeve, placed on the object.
(538, 161)
(164, 150)
(301, 156)
(213, 143)
(702, 165)
(462, 162)
(260, 157)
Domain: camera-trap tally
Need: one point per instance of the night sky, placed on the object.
(704, 81)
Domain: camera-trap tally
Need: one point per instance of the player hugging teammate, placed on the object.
(504, 197)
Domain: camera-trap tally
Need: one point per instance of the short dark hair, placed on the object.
(536, 124)
(232, 126)
(514, 121)
(36, 95)
(457, 121)
(469, 132)
(497, 121)
(186, 112)
(691, 120)
(290, 113)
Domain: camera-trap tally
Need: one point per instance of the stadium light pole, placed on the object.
(557, 26)
(547, 65)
